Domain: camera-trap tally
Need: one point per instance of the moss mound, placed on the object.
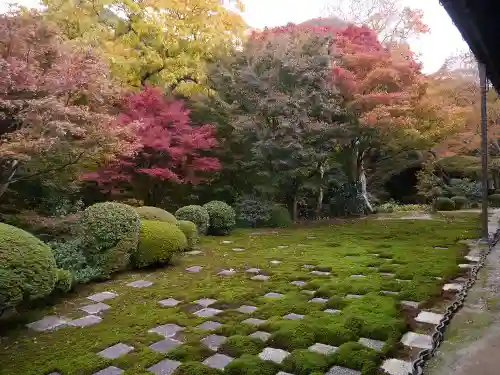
(190, 231)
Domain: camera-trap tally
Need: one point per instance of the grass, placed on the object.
(405, 248)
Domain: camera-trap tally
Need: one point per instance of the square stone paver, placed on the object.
(86, 321)
(213, 342)
(394, 366)
(95, 308)
(308, 292)
(373, 344)
(207, 312)
(293, 316)
(452, 287)
(169, 302)
(275, 262)
(339, 370)
(111, 370)
(353, 296)
(164, 346)
(472, 258)
(230, 272)
(332, 311)
(308, 266)
(417, 340)
(298, 283)
(115, 351)
(273, 355)
(318, 300)
(253, 270)
(238, 249)
(246, 309)
(273, 295)
(167, 330)
(428, 317)
(140, 284)
(165, 367)
(209, 326)
(205, 302)
(194, 269)
(323, 349)
(103, 296)
(47, 323)
(218, 361)
(261, 335)
(260, 277)
(320, 273)
(254, 321)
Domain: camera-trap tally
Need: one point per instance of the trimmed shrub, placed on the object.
(494, 200)
(304, 361)
(460, 202)
(444, 204)
(27, 267)
(250, 365)
(155, 214)
(190, 231)
(111, 234)
(222, 217)
(279, 217)
(64, 280)
(237, 345)
(354, 355)
(252, 212)
(195, 368)
(158, 242)
(196, 214)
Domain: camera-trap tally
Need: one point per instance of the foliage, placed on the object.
(392, 206)
(347, 200)
(250, 365)
(460, 202)
(156, 214)
(251, 211)
(279, 217)
(444, 204)
(494, 200)
(222, 217)
(238, 345)
(111, 234)
(27, 267)
(158, 242)
(195, 368)
(171, 151)
(195, 214)
(304, 361)
(190, 231)
(64, 280)
(354, 355)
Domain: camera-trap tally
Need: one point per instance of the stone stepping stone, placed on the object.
(218, 361)
(332, 311)
(395, 366)
(323, 349)
(194, 269)
(452, 287)
(47, 323)
(193, 252)
(282, 246)
(311, 237)
(209, 325)
(246, 309)
(167, 330)
(103, 296)
(303, 245)
(410, 304)
(169, 302)
(429, 317)
(273, 355)
(111, 370)
(298, 283)
(283, 373)
(308, 266)
(417, 340)
(472, 258)
(226, 242)
(339, 370)
(440, 248)
(308, 292)
(253, 321)
(275, 261)
(115, 351)
(466, 266)
(95, 308)
(164, 346)
(55, 373)
(253, 270)
(260, 335)
(353, 296)
(205, 302)
(318, 300)
(238, 249)
(320, 273)
(165, 367)
(273, 295)
(207, 312)
(358, 276)
(229, 272)
(389, 292)
(140, 284)
(387, 274)
(293, 316)
(213, 342)
(86, 321)
(372, 344)
(260, 278)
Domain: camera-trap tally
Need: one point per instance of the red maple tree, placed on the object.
(171, 149)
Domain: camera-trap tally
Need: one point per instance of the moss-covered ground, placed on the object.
(366, 247)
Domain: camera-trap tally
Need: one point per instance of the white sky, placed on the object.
(442, 41)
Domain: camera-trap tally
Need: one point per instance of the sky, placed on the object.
(442, 41)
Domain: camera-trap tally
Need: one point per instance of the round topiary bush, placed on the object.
(158, 242)
(27, 267)
(494, 200)
(460, 202)
(156, 214)
(190, 231)
(64, 280)
(279, 217)
(222, 217)
(111, 234)
(444, 204)
(196, 214)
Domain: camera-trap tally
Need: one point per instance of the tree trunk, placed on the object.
(319, 205)
(295, 212)
(361, 178)
(9, 175)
